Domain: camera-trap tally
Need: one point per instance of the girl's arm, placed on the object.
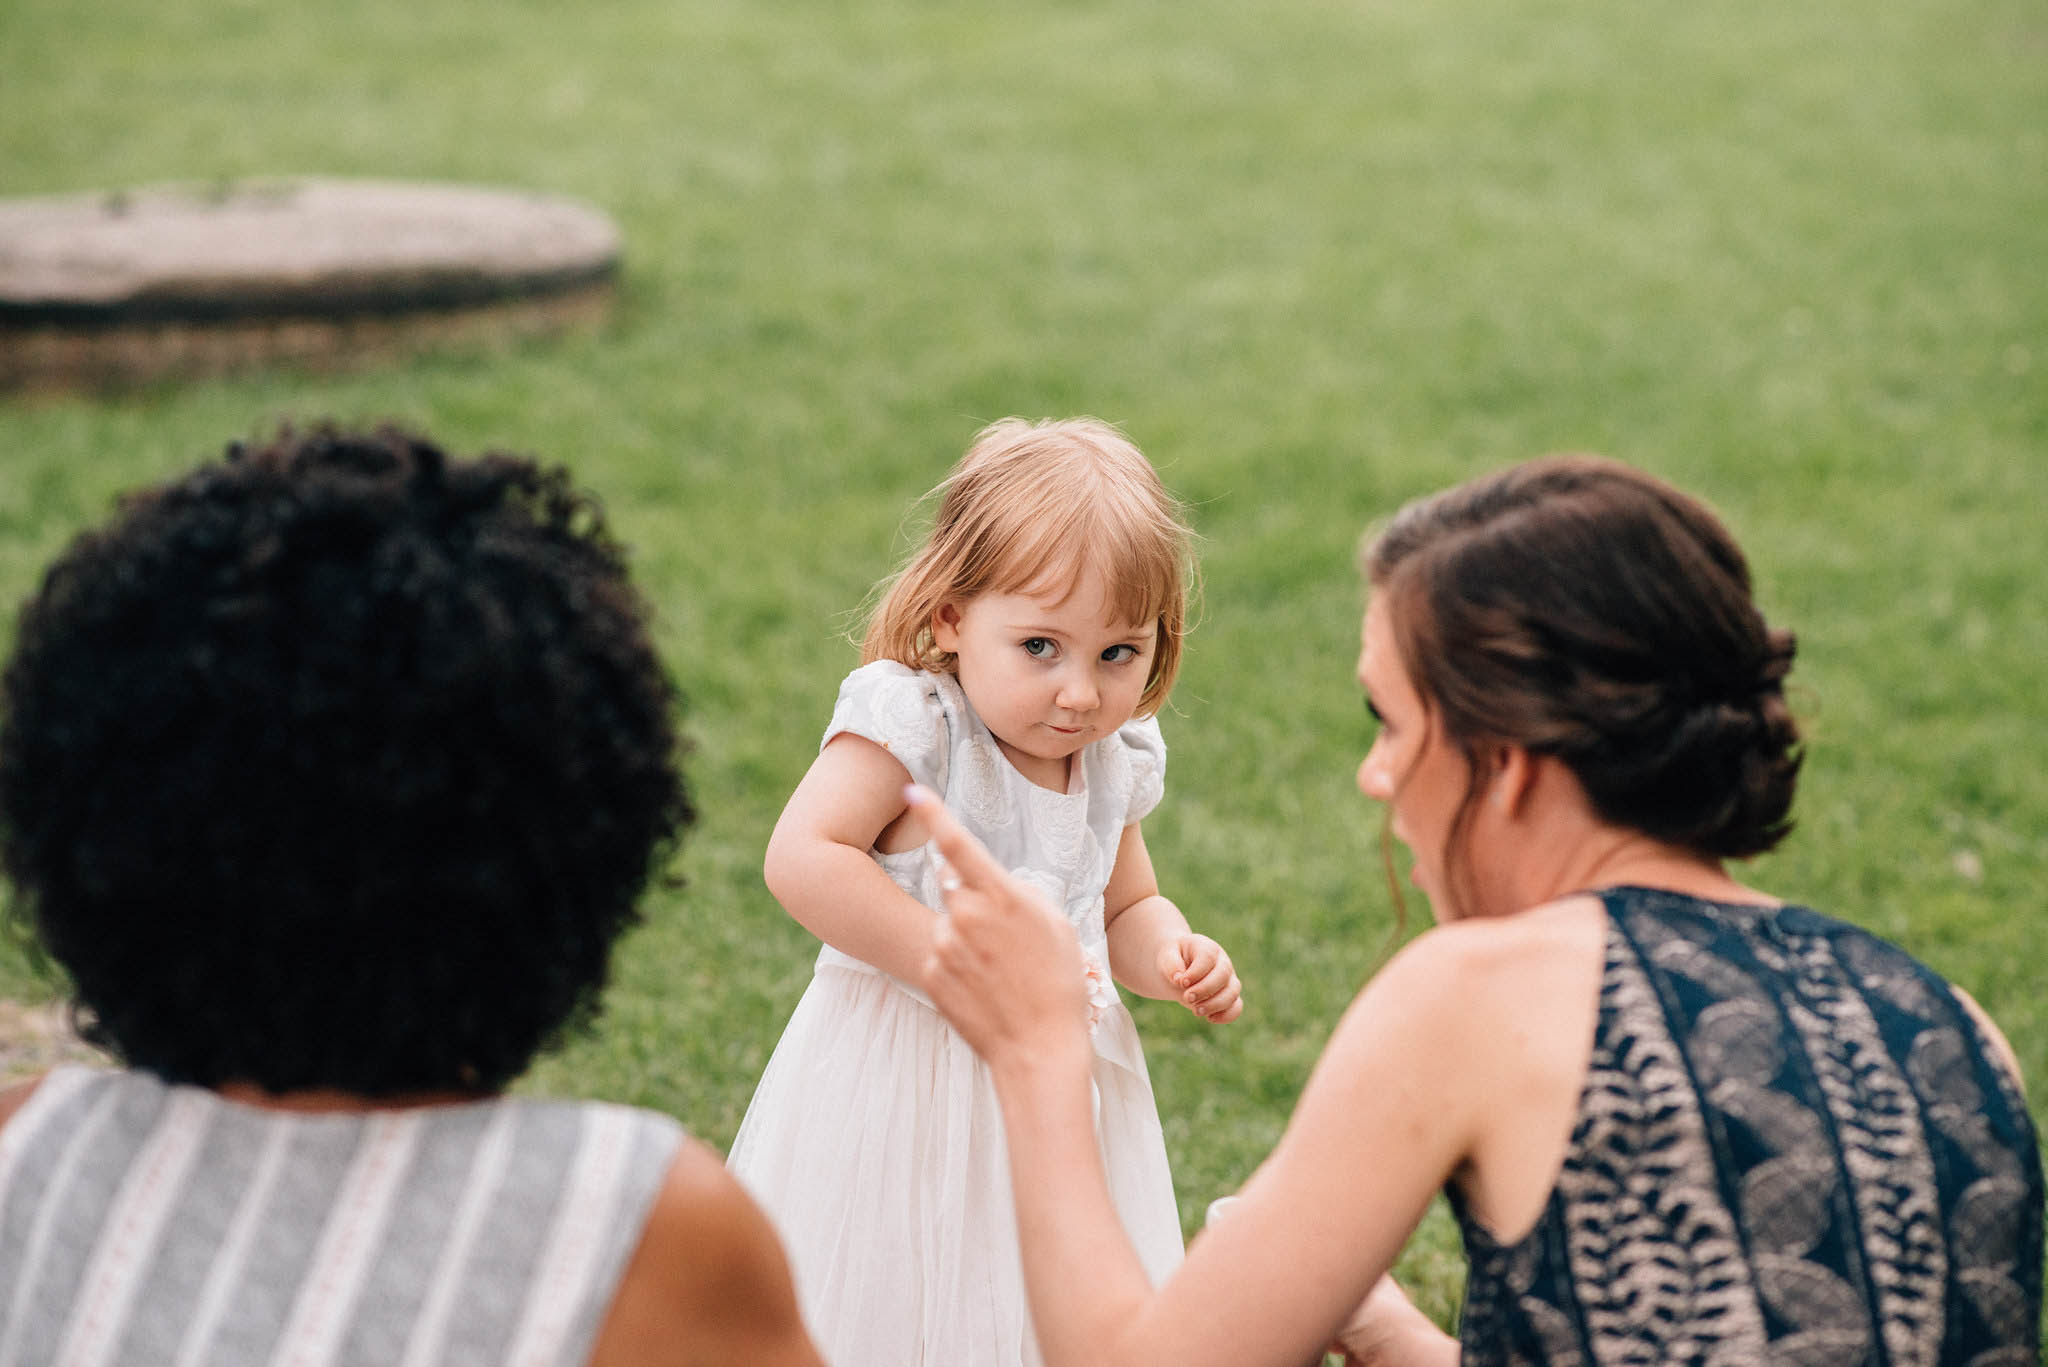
(819, 868)
(1151, 949)
(1391, 1111)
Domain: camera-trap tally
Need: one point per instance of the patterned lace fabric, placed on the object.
(1793, 1147)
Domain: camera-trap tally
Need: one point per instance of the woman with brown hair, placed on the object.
(1678, 1119)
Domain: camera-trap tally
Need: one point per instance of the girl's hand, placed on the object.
(1200, 968)
(1004, 968)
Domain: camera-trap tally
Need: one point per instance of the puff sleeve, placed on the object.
(898, 709)
(1146, 750)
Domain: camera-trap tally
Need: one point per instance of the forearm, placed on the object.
(1085, 1282)
(841, 895)
(1135, 936)
(1268, 1288)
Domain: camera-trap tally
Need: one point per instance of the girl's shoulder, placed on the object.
(903, 710)
(1139, 746)
(1142, 735)
(882, 674)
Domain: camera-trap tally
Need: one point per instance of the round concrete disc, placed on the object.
(155, 270)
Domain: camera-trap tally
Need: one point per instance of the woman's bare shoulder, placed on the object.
(14, 1097)
(1471, 988)
(708, 1284)
(1454, 991)
(1517, 944)
(1475, 1029)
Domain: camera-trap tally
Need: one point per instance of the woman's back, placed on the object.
(145, 1223)
(1793, 1142)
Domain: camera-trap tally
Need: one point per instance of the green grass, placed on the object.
(1317, 258)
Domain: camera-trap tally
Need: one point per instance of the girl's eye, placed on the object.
(1374, 713)
(1038, 647)
(1122, 654)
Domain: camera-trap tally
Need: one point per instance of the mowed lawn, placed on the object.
(1317, 258)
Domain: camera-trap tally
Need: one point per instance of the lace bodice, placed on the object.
(1793, 1146)
(1063, 844)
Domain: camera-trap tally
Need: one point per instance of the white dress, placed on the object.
(874, 1140)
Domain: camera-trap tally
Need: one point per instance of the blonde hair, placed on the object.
(1027, 505)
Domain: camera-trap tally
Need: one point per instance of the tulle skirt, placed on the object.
(875, 1144)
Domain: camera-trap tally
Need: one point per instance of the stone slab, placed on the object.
(134, 284)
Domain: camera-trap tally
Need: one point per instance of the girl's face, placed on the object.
(1411, 767)
(1048, 671)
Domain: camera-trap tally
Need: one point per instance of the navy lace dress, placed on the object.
(1793, 1147)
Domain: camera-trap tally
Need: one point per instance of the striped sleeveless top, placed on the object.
(145, 1223)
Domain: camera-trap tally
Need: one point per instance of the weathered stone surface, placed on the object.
(135, 284)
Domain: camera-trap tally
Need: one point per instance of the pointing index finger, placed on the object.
(971, 861)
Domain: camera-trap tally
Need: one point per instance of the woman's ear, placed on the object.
(1514, 778)
(946, 628)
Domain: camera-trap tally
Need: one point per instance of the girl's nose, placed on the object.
(1078, 692)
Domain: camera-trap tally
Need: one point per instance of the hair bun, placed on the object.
(1750, 755)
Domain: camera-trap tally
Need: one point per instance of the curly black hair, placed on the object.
(338, 763)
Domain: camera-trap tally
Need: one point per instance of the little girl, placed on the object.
(1013, 667)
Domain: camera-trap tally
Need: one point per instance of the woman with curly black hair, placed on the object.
(330, 773)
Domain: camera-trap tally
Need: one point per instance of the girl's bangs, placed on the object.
(1143, 573)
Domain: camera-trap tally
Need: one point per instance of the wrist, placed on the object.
(1044, 1072)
